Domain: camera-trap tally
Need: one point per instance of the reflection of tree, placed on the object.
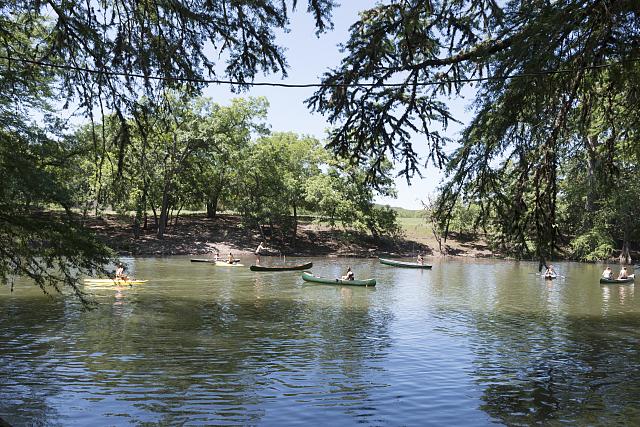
(28, 375)
(538, 368)
(216, 355)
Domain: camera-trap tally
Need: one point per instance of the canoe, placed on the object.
(554, 276)
(226, 264)
(395, 263)
(617, 281)
(210, 260)
(281, 267)
(309, 277)
(113, 282)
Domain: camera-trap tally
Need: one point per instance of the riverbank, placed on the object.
(195, 234)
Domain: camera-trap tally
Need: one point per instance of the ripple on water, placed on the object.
(473, 343)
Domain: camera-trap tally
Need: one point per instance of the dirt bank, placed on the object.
(197, 235)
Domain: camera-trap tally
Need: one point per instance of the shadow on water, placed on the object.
(541, 369)
(238, 355)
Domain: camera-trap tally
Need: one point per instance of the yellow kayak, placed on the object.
(114, 282)
(226, 264)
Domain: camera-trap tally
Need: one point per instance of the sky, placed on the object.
(309, 57)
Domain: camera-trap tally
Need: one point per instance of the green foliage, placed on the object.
(45, 49)
(53, 250)
(343, 194)
(510, 156)
(594, 245)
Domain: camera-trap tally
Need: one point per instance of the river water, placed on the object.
(471, 342)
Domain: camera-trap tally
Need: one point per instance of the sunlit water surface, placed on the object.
(467, 343)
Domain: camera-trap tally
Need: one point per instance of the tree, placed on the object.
(344, 194)
(229, 129)
(271, 181)
(102, 57)
(402, 57)
(52, 249)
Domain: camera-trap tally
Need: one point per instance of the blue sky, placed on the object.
(309, 57)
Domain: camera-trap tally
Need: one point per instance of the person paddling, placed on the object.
(623, 273)
(550, 272)
(120, 272)
(231, 259)
(349, 275)
(607, 273)
(420, 259)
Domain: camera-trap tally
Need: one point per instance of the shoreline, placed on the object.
(197, 235)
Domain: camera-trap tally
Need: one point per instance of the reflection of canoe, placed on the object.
(226, 264)
(309, 277)
(281, 267)
(617, 281)
(403, 264)
(113, 282)
(212, 261)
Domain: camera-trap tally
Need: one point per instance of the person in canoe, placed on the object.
(120, 274)
(607, 273)
(420, 259)
(550, 271)
(261, 247)
(230, 259)
(216, 256)
(349, 275)
(623, 273)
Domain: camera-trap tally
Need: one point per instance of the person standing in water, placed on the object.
(261, 247)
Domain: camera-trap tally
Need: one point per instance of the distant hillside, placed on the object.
(407, 213)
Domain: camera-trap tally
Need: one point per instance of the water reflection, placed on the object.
(561, 361)
(222, 350)
(471, 342)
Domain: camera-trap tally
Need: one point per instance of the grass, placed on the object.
(415, 228)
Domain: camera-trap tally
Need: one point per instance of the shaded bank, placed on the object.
(197, 235)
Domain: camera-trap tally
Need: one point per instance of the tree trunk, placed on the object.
(211, 210)
(136, 227)
(295, 225)
(175, 219)
(592, 166)
(164, 211)
(625, 255)
(155, 215)
(212, 205)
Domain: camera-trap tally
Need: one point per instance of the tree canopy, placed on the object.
(544, 73)
(110, 61)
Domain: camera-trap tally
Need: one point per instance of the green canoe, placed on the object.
(404, 264)
(309, 277)
(629, 279)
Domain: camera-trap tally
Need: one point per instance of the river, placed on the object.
(471, 342)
